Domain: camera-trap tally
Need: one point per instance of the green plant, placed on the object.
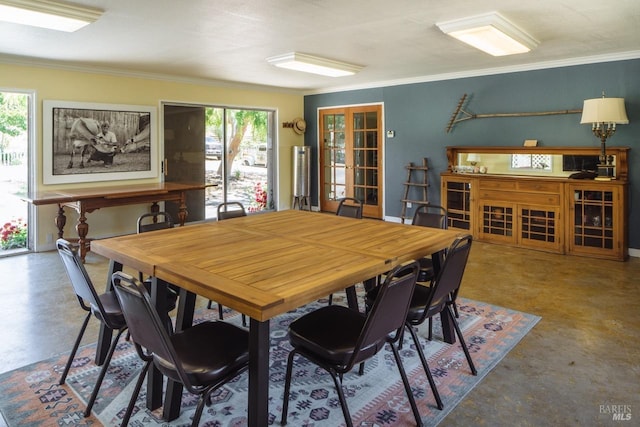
(14, 235)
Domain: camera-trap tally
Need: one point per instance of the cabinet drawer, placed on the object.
(496, 185)
(545, 187)
(533, 198)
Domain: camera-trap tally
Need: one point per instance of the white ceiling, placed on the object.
(396, 41)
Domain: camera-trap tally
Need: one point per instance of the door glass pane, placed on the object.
(334, 157)
(372, 139)
(359, 177)
(372, 120)
(329, 123)
(372, 197)
(358, 140)
(372, 178)
(372, 158)
(358, 121)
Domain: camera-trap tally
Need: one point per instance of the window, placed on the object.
(531, 161)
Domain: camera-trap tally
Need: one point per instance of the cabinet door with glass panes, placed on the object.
(539, 227)
(497, 221)
(457, 194)
(597, 220)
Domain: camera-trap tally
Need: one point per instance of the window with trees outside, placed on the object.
(531, 161)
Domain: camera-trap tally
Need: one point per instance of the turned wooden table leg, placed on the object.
(83, 229)
(60, 221)
(182, 210)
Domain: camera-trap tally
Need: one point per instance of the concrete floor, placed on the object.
(581, 362)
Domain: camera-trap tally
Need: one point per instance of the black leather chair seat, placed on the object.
(419, 303)
(112, 310)
(205, 363)
(336, 339)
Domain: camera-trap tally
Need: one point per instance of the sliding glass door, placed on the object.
(230, 150)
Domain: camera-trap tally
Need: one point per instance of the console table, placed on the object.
(87, 200)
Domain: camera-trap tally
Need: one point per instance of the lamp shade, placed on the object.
(604, 110)
(473, 157)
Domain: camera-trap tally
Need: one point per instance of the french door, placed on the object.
(351, 157)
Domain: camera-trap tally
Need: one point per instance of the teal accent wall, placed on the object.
(419, 113)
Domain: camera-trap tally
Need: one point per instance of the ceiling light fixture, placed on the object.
(313, 64)
(491, 33)
(48, 14)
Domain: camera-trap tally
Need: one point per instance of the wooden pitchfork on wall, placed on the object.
(460, 115)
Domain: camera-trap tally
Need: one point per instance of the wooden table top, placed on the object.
(109, 192)
(267, 264)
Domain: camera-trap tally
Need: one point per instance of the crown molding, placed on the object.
(623, 56)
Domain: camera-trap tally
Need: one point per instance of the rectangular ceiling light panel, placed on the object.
(48, 14)
(491, 33)
(313, 64)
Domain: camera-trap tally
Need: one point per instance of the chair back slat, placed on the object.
(389, 311)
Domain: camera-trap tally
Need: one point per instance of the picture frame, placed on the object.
(93, 142)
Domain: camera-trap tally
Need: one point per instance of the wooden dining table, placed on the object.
(264, 265)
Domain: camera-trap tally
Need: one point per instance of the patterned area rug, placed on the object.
(31, 396)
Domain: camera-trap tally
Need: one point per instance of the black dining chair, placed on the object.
(349, 207)
(104, 307)
(433, 216)
(337, 338)
(229, 210)
(154, 221)
(435, 299)
(202, 357)
(429, 216)
(151, 222)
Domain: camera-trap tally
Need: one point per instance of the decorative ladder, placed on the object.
(412, 170)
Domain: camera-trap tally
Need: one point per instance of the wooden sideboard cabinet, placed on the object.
(556, 215)
(551, 213)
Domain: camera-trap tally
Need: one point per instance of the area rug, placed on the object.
(31, 396)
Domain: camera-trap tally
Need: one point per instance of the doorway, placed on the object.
(350, 157)
(15, 135)
(231, 150)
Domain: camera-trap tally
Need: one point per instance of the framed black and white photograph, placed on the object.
(86, 142)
